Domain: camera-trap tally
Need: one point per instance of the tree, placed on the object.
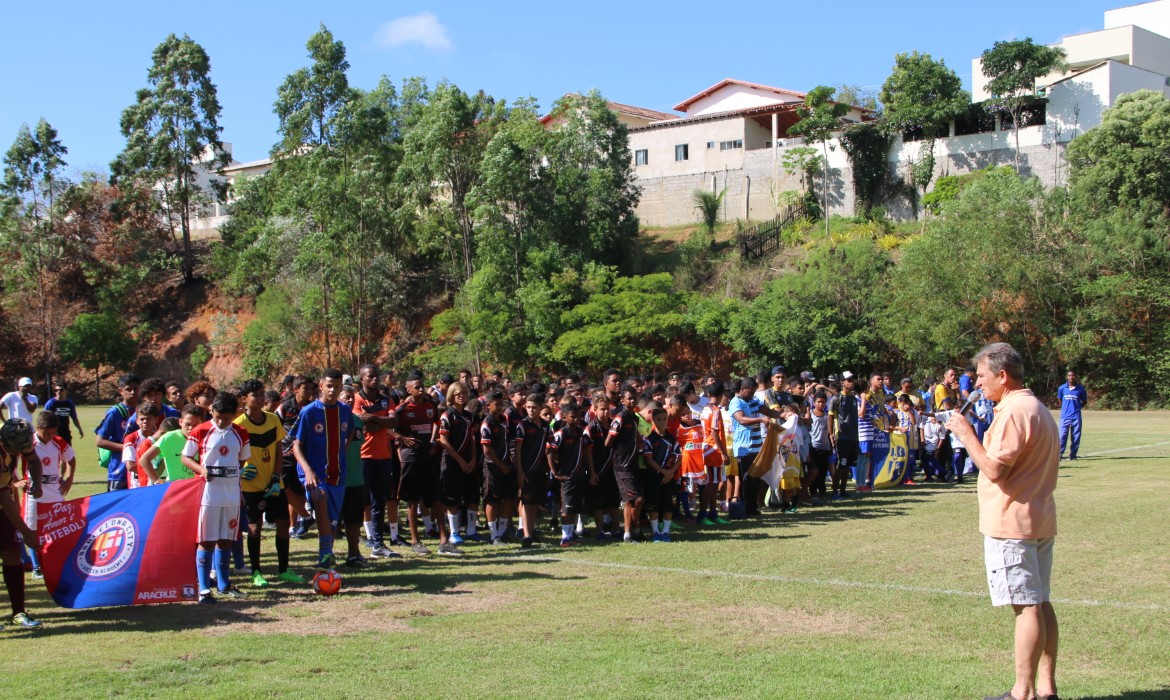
(444, 147)
(987, 268)
(31, 187)
(820, 116)
(1013, 68)
(824, 314)
(1122, 162)
(708, 205)
(922, 94)
(97, 340)
(173, 126)
(625, 324)
(310, 99)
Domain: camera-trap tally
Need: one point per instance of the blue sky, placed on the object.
(83, 68)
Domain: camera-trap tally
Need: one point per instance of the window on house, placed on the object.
(681, 151)
(730, 145)
(641, 157)
(710, 144)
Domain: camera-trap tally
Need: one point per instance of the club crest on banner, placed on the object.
(108, 548)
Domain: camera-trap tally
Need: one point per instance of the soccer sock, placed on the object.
(203, 568)
(427, 522)
(567, 532)
(282, 554)
(238, 553)
(393, 532)
(254, 552)
(325, 545)
(221, 568)
(14, 582)
(580, 524)
(371, 531)
(472, 522)
(36, 561)
(654, 526)
(503, 526)
(684, 502)
(666, 527)
(453, 522)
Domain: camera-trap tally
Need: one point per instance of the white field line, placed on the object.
(1127, 449)
(843, 583)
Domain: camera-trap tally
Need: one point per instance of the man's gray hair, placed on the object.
(1001, 356)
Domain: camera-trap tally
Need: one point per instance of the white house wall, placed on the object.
(1154, 16)
(733, 97)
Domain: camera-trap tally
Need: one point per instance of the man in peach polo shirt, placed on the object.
(1018, 462)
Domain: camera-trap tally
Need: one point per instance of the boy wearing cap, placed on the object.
(20, 403)
(16, 448)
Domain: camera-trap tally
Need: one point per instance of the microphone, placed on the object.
(972, 399)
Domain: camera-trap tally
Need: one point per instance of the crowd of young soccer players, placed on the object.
(629, 458)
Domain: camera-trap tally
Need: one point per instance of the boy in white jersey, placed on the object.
(58, 464)
(215, 451)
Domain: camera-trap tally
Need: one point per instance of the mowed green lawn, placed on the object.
(882, 597)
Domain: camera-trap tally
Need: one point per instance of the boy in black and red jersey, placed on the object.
(660, 451)
(603, 492)
(625, 445)
(418, 426)
(304, 390)
(457, 461)
(528, 456)
(570, 457)
(499, 479)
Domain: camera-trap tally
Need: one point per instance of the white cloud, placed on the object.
(423, 29)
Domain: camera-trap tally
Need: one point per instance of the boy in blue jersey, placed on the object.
(112, 431)
(1073, 398)
(320, 439)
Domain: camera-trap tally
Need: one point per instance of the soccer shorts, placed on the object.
(218, 523)
(659, 496)
(534, 491)
(334, 498)
(498, 487)
(847, 452)
(1019, 572)
(452, 483)
(629, 485)
(381, 475)
(573, 495)
(256, 505)
(353, 507)
(732, 468)
(604, 494)
(419, 479)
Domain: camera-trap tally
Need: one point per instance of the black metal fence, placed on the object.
(763, 238)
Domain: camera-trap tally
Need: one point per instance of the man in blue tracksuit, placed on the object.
(1073, 398)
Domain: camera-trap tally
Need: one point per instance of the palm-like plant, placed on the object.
(708, 205)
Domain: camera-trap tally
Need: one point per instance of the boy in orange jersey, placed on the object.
(714, 454)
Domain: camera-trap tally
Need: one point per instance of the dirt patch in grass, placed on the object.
(356, 610)
(773, 620)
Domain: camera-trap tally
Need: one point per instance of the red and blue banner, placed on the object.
(130, 547)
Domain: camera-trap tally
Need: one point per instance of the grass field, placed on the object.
(883, 597)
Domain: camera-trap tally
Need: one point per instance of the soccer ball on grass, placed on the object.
(327, 583)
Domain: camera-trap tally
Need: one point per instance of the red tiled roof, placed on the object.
(651, 114)
(618, 107)
(682, 106)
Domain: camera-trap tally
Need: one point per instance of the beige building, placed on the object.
(1137, 36)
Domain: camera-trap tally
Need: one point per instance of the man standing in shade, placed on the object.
(1073, 398)
(1018, 462)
